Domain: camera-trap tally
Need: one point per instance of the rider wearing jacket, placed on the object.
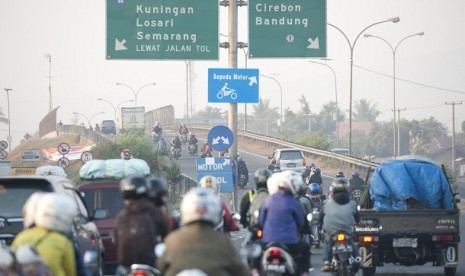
(338, 213)
(196, 245)
(193, 141)
(157, 129)
(281, 218)
(356, 182)
(176, 142)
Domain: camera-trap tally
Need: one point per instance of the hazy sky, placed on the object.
(432, 67)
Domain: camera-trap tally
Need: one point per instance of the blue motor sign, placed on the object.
(220, 138)
(219, 167)
(232, 85)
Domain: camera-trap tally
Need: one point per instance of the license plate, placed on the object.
(291, 165)
(405, 242)
(275, 268)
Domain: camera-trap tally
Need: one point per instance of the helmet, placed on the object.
(209, 182)
(133, 187)
(157, 190)
(355, 174)
(182, 125)
(296, 181)
(284, 182)
(191, 133)
(261, 176)
(7, 260)
(206, 142)
(312, 166)
(314, 189)
(55, 212)
(340, 185)
(157, 123)
(26, 254)
(340, 174)
(200, 204)
(30, 207)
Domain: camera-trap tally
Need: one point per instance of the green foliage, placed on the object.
(365, 111)
(315, 140)
(451, 176)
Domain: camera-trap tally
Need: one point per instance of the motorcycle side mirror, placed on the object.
(358, 207)
(159, 249)
(256, 213)
(457, 197)
(309, 217)
(236, 216)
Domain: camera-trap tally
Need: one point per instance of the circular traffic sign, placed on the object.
(3, 144)
(86, 156)
(63, 162)
(220, 138)
(63, 148)
(3, 154)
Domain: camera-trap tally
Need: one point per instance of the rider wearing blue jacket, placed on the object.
(282, 218)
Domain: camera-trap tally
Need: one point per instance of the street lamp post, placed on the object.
(453, 103)
(50, 105)
(335, 92)
(91, 117)
(352, 46)
(394, 51)
(281, 91)
(115, 109)
(7, 90)
(133, 91)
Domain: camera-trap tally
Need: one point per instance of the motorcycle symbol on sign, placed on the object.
(226, 91)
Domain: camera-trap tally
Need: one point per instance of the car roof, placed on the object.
(57, 182)
(289, 149)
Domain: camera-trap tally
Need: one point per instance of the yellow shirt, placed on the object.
(55, 248)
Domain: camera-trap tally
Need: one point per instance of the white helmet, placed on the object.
(283, 181)
(200, 204)
(26, 254)
(209, 182)
(7, 259)
(56, 212)
(296, 181)
(30, 207)
(272, 184)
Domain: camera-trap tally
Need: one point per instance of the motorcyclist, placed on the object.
(193, 141)
(158, 196)
(338, 213)
(340, 174)
(315, 177)
(242, 169)
(281, 218)
(228, 224)
(252, 201)
(316, 195)
(307, 170)
(162, 144)
(206, 149)
(197, 245)
(139, 227)
(356, 182)
(183, 129)
(176, 142)
(157, 129)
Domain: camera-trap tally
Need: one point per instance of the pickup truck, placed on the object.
(409, 216)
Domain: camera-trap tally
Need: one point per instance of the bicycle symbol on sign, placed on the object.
(226, 91)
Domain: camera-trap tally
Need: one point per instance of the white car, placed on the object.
(288, 159)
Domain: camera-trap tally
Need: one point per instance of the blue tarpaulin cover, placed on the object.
(419, 178)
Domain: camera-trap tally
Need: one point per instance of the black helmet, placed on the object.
(340, 185)
(340, 174)
(158, 190)
(133, 187)
(261, 176)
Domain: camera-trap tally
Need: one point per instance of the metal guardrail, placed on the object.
(362, 166)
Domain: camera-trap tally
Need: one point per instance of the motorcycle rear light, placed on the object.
(259, 234)
(139, 273)
(368, 239)
(443, 238)
(275, 253)
(341, 238)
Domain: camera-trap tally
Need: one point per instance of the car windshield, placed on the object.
(287, 155)
(14, 193)
(108, 124)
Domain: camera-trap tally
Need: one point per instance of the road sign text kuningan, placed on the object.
(294, 28)
(162, 29)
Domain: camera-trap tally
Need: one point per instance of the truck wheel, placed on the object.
(450, 271)
(369, 271)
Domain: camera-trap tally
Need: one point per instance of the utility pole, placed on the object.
(453, 103)
(50, 105)
(398, 130)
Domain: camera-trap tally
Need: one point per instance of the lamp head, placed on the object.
(421, 33)
(367, 35)
(394, 19)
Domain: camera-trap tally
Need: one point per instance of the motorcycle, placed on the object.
(343, 262)
(277, 260)
(206, 152)
(356, 195)
(184, 138)
(315, 228)
(242, 181)
(176, 152)
(192, 149)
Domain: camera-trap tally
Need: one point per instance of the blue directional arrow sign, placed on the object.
(232, 85)
(220, 138)
(219, 167)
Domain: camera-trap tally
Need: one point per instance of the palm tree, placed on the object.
(3, 119)
(365, 111)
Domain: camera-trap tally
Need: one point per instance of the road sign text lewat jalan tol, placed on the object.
(162, 29)
(294, 28)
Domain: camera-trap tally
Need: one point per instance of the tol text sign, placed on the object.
(162, 29)
(218, 167)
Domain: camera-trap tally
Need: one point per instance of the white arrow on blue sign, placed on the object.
(232, 85)
(219, 167)
(220, 138)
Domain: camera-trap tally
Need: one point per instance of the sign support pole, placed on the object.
(232, 112)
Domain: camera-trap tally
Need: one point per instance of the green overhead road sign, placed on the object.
(293, 28)
(162, 29)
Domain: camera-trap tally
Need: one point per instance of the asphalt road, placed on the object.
(256, 160)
